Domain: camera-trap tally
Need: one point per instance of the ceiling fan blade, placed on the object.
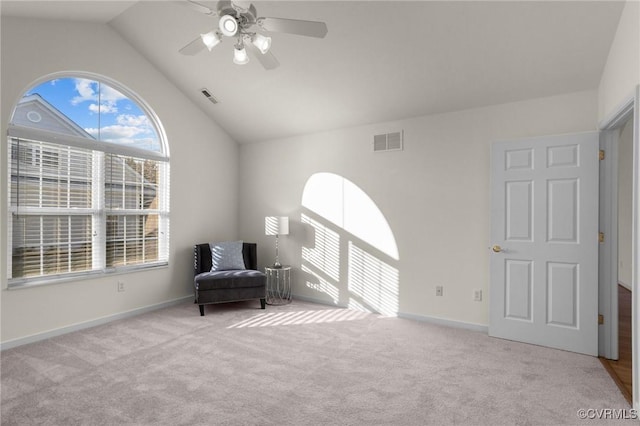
(267, 60)
(294, 26)
(194, 47)
(198, 7)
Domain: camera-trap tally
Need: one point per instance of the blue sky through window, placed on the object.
(100, 110)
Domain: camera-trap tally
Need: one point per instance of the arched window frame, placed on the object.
(100, 154)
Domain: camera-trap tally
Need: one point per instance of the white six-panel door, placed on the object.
(544, 237)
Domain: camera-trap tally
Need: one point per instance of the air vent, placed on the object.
(388, 142)
(209, 96)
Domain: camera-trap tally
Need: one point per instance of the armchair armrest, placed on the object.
(201, 258)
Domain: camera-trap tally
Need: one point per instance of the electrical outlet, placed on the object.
(120, 286)
(477, 295)
(438, 290)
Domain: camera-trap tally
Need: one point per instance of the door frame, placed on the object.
(608, 253)
(608, 250)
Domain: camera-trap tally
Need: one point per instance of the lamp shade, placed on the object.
(210, 39)
(240, 56)
(276, 225)
(261, 42)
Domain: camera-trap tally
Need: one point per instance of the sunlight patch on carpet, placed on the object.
(301, 317)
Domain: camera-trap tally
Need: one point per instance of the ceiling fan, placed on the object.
(241, 23)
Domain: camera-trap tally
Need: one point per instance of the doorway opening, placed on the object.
(616, 251)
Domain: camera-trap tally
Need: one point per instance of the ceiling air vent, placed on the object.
(209, 96)
(388, 142)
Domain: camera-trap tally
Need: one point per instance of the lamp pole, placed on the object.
(277, 262)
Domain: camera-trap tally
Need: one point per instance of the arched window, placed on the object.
(89, 182)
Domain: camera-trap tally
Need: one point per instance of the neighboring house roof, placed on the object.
(34, 111)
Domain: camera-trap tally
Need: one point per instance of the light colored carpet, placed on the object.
(298, 364)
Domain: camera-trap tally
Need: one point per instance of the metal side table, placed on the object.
(278, 285)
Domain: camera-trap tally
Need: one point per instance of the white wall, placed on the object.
(625, 203)
(203, 174)
(622, 70)
(434, 195)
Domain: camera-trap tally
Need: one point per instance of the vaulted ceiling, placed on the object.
(380, 61)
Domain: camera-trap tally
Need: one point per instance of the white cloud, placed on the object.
(138, 136)
(134, 120)
(115, 132)
(85, 91)
(90, 90)
(110, 94)
(105, 108)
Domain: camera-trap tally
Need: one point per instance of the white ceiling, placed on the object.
(380, 61)
(71, 10)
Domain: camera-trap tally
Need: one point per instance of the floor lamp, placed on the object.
(276, 225)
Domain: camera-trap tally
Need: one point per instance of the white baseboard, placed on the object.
(445, 322)
(88, 324)
(318, 301)
(421, 318)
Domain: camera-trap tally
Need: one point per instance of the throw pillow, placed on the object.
(226, 256)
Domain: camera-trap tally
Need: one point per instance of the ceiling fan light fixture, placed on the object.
(228, 25)
(239, 20)
(240, 56)
(211, 39)
(262, 43)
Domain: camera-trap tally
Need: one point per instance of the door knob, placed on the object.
(496, 248)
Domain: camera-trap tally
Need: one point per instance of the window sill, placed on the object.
(22, 283)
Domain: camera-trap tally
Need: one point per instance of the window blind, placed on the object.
(77, 210)
(50, 205)
(132, 208)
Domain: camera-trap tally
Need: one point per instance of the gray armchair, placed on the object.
(227, 286)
